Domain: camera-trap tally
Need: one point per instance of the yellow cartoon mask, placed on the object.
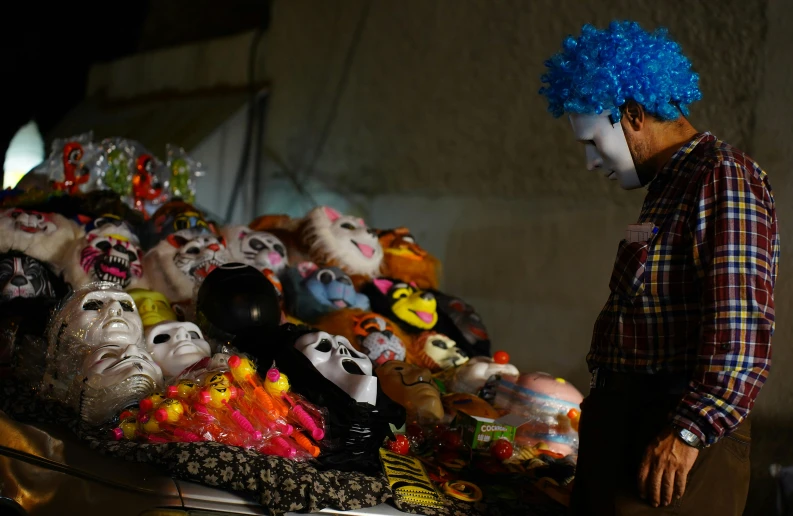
(153, 307)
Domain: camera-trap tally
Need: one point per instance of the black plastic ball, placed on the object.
(235, 297)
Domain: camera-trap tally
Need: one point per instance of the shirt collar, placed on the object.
(666, 173)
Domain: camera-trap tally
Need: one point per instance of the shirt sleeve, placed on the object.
(735, 253)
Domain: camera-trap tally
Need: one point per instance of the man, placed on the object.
(683, 344)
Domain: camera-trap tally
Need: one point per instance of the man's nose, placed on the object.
(593, 159)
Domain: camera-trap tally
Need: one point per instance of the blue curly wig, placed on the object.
(603, 69)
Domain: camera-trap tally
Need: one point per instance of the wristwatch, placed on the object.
(688, 437)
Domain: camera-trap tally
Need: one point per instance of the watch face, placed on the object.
(688, 437)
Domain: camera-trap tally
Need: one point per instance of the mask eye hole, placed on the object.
(193, 250)
(326, 277)
(104, 245)
(347, 225)
(256, 244)
(438, 343)
(194, 335)
(398, 368)
(344, 280)
(280, 249)
(127, 306)
(93, 305)
(324, 346)
(161, 338)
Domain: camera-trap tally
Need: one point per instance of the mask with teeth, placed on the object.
(312, 291)
(336, 359)
(109, 253)
(92, 317)
(181, 261)
(23, 276)
(343, 241)
(43, 236)
(257, 248)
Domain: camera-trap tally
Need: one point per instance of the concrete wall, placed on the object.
(440, 125)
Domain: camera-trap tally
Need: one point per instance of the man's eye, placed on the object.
(93, 304)
(127, 306)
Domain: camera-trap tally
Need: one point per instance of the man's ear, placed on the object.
(633, 115)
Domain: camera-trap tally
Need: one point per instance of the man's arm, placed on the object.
(735, 251)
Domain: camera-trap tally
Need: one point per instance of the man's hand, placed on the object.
(664, 470)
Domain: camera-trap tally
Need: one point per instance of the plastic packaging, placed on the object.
(224, 399)
(71, 163)
(183, 173)
(96, 360)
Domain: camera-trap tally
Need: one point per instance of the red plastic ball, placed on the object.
(401, 445)
(501, 449)
(501, 357)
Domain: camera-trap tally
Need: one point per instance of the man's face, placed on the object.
(606, 148)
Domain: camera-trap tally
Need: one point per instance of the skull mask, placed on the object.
(336, 359)
(23, 276)
(176, 346)
(115, 258)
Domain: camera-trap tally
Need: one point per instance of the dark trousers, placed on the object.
(614, 431)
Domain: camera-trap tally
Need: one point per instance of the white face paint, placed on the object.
(336, 359)
(606, 148)
(103, 317)
(175, 346)
(444, 351)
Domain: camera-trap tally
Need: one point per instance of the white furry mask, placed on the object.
(257, 248)
(43, 236)
(181, 261)
(342, 240)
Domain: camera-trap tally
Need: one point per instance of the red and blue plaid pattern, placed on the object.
(698, 297)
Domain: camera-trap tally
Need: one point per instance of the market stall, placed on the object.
(308, 363)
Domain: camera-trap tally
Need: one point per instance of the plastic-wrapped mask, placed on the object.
(109, 253)
(23, 276)
(175, 346)
(336, 359)
(181, 261)
(153, 307)
(257, 248)
(43, 236)
(92, 317)
(342, 240)
(437, 352)
(114, 377)
(472, 376)
(412, 387)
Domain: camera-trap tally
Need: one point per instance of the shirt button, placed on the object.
(724, 347)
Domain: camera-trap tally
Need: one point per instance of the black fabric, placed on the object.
(355, 431)
(448, 327)
(278, 484)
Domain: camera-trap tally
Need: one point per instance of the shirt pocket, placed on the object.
(627, 278)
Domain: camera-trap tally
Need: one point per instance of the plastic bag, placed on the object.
(71, 164)
(183, 172)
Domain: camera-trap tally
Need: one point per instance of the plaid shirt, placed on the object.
(698, 297)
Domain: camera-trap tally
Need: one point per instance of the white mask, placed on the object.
(175, 346)
(105, 316)
(113, 377)
(606, 148)
(257, 248)
(336, 359)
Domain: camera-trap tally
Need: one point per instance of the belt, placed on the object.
(661, 383)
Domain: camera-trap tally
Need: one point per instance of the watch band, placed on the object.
(688, 437)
